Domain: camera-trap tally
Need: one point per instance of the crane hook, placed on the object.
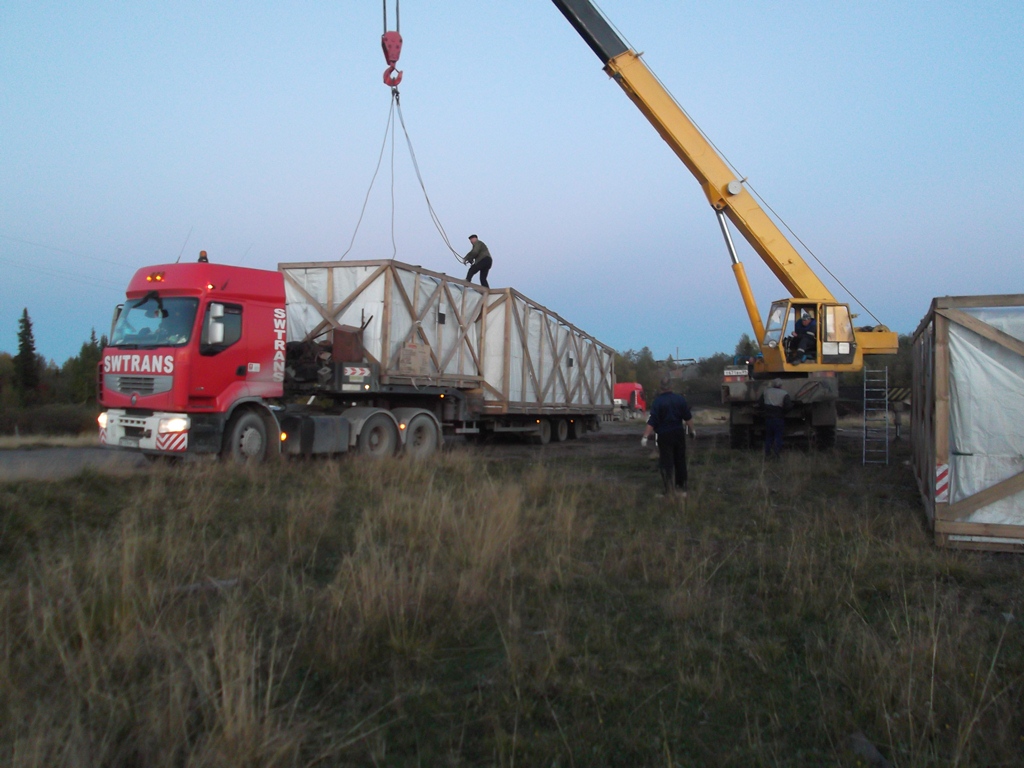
(391, 42)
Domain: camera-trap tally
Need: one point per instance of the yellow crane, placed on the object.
(835, 345)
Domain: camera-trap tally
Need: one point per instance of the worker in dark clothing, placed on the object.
(776, 402)
(804, 340)
(671, 419)
(479, 259)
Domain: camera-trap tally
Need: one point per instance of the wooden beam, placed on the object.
(385, 321)
(482, 349)
(316, 305)
(984, 329)
(462, 338)
(338, 310)
(980, 529)
(506, 378)
(527, 358)
(941, 385)
(977, 302)
(990, 495)
(416, 324)
(581, 372)
(560, 365)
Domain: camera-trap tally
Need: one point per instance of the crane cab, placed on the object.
(803, 335)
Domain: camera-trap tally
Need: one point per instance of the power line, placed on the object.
(62, 250)
(77, 278)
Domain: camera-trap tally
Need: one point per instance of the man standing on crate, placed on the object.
(479, 259)
(671, 419)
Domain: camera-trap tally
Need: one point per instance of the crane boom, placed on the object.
(729, 197)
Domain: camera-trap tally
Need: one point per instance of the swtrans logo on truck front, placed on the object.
(129, 363)
(280, 334)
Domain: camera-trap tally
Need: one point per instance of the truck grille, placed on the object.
(143, 385)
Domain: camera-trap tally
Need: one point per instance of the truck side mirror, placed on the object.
(215, 333)
(214, 327)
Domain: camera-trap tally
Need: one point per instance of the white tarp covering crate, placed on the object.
(968, 420)
(427, 328)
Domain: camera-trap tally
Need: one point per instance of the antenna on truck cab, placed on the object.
(185, 243)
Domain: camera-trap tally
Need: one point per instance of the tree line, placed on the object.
(27, 379)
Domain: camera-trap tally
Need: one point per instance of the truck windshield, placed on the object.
(155, 321)
(776, 323)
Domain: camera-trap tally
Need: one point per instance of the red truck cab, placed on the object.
(193, 348)
(629, 396)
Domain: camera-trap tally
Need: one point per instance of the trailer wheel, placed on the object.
(378, 437)
(543, 434)
(246, 439)
(421, 438)
(577, 428)
(560, 433)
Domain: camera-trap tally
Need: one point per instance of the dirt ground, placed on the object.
(615, 439)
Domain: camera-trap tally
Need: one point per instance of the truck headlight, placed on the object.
(102, 420)
(173, 424)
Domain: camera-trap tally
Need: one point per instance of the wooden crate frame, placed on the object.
(930, 427)
(518, 356)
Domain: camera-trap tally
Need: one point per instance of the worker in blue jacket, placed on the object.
(803, 343)
(671, 419)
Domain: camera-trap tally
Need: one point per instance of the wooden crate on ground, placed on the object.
(426, 328)
(968, 420)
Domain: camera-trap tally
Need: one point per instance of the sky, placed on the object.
(887, 135)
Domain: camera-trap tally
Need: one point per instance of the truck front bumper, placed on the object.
(164, 433)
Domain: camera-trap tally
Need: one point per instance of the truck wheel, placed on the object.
(561, 431)
(825, 438)
(246, 439)
(378, 437)
(421, 438)
(577, 428)
(543, 434)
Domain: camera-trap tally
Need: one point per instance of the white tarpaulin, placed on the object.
(987, 413)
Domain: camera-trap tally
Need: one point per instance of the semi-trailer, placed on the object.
(376, 356)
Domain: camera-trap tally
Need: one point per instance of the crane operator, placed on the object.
(803, 339)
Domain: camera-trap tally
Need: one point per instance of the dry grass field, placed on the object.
(506, 607)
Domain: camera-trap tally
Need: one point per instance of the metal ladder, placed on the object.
(876, 416)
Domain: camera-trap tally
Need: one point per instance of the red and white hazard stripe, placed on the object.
(177, 441)
(103, 436)
(356, 371)
(942, 482)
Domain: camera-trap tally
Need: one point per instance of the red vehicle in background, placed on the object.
(629, 398)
